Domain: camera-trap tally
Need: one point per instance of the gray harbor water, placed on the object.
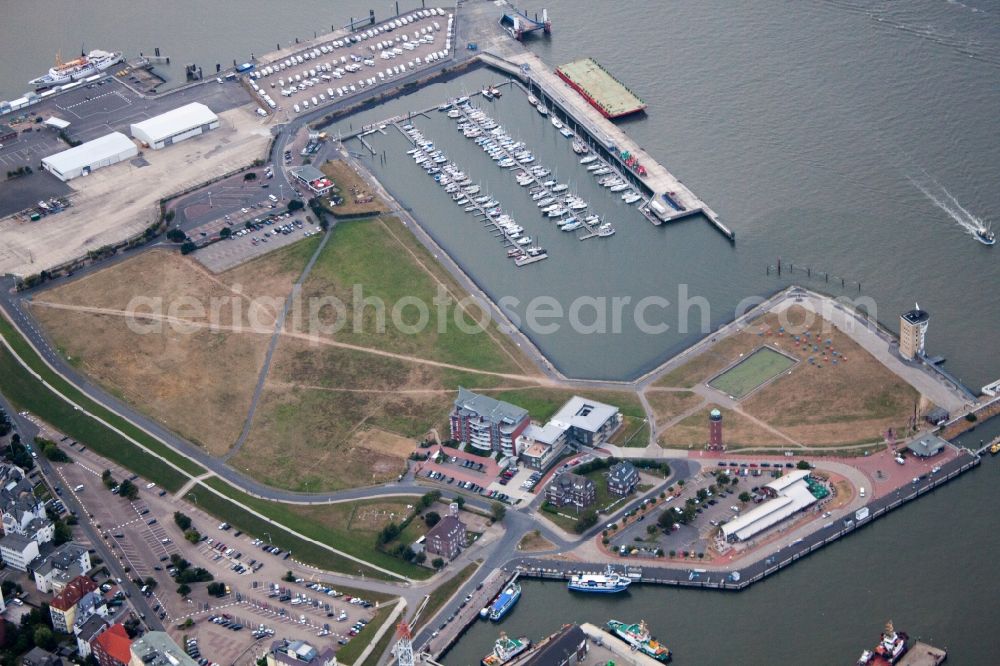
(855, 138)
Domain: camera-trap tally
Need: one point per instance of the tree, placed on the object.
(420, 558)
(188, 248)
(585, 522)
(62, 533)
(702, 495)
(128, 490)
(250, 175)
(44, 638)
(460, 501)
(428, 499)
(499, 511)
(650, 530)
(734, 480)
(437, 563)
(108, 480)
(295, 205)
(182, 521)
(183, 589)
(288, 577)
(745, 497)
(175, 235)
(803, 464)
(432, 518)
(192, 535)
(388, 533)
(169, 217)
(150, 582)
(225, 232)
(216, 589)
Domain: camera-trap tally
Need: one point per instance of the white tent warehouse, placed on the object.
(176, 125)
(790, 494)
(81, 160)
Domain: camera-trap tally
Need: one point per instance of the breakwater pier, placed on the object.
(667, 198)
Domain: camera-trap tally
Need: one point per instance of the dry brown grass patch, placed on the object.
(737, 431)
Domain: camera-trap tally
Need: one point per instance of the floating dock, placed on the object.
(518, 24)
(603, 91)
(923, 654)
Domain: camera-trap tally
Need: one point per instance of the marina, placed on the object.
(465, 193)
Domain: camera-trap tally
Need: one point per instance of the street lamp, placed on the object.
(268, 535)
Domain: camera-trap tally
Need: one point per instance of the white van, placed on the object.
(295, 107)
(861, 491)
(79, 488)
(305, 104)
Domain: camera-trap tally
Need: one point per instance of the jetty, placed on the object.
(668, 199)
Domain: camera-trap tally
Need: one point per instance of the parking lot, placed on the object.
(345, 66)
(717, 504)
(143, 535)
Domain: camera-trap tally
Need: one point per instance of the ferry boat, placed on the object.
(74, 70)
(637, 636)
(889, 650)
(986, 236)
(506, 600)
(505, 649)
(608, 582)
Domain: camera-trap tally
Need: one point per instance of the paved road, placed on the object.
(28, 431)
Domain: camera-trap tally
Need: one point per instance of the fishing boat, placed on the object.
(637, 636)
(889, 650)
(608, 582)
(986, 236)
(510, 595)
(505, 649)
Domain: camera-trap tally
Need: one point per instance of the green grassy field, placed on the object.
(380, 258)
(302, 519)
(443, 592)
(350, 652)
(26, 393)
(751, 372)
(542, 403)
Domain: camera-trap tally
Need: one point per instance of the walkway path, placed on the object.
(279, 324)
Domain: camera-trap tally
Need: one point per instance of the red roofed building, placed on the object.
(63, 606)
(113, 647)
